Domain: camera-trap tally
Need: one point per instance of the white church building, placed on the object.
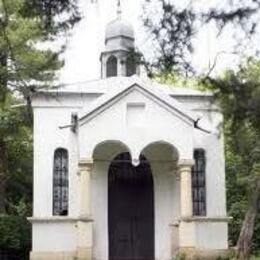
(126, 168)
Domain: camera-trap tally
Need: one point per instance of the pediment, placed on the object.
(159, 98)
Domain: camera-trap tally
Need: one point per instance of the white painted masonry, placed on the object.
(135, 115)
(166, 133)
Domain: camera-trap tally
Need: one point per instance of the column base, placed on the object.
(84, 254)
(53, 255)
(191, 253)
(81, 254)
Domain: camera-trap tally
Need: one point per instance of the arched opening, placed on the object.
(130, 209)
(130, 66)
(163, 157)
(162, 152)
(60, 182)
(199, 183)
(107, 150)
(112, 66)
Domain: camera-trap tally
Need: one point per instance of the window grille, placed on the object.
(199, 183)
(112, 66)
(60, 183)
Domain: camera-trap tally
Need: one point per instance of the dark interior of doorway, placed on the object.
(130, 209)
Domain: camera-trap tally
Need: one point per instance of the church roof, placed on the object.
(106, 85)
(119, 28)
(110, 89)
(137, 82)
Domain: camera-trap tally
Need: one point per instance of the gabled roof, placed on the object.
(102, 86)
(136, 82)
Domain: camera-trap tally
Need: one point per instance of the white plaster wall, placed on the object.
(213, 144)
(47, 138)
(54, 237)
(158, 125)
(100, 209)
(50, 113)
(211, 235)
(166, 189)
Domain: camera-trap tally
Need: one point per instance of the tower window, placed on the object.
(60, 183)
(199, 183)
(112, 66)
(130, 66)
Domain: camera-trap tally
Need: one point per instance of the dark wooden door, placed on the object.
(130, 210)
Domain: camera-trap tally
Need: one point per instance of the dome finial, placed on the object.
(119, 9)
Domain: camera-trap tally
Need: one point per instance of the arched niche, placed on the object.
(111, 67)
(107, 150)
(161, 152)
(130, 66)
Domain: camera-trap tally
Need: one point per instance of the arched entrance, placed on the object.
(130, 209)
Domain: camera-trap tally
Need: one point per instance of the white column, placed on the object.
(185, 167)
(85, 171)
(85, 223)
(187, 241)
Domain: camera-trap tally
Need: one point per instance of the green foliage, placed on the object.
(25, 64)
(239, 95)
(48, 11)
(172, 33)
(16, 148)
(177, 80)
(15, 234)
(180, 257)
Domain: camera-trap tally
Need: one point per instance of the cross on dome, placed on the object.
(119, 9)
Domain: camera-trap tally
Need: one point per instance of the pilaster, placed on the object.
(184, 168)
(186, 229)
(85, 228)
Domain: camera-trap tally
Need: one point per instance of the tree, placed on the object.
(25, 65)
(25, 24)
(16, 156)
(239, 94)
(174, 26)
(172, 33)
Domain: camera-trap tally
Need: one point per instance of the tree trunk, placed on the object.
(2, 195)
(3, 75)
(244, 243)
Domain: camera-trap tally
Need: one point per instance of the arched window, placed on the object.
(130, 66)
(60, 183)
(112, 66)
(199, 183)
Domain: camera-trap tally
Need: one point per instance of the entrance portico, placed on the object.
(172, 195)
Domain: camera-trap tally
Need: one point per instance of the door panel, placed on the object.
(130, 210)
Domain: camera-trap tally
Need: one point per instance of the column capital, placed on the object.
(86, 163)
(183, 163)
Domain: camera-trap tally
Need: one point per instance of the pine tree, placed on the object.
(25, 66)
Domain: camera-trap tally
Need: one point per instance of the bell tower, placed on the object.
(119, 57)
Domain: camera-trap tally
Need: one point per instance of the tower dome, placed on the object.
(119, 28)
(118, 59)
(119, 33)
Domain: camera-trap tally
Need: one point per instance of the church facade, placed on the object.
(126, 168)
